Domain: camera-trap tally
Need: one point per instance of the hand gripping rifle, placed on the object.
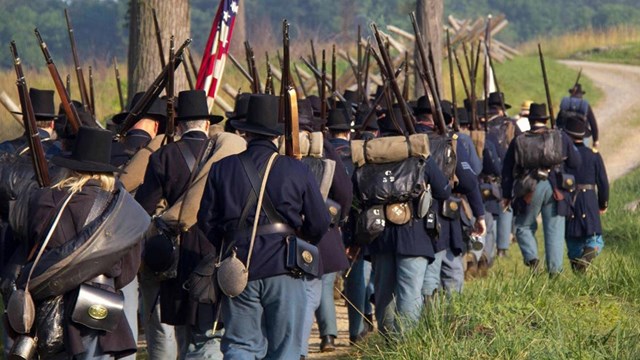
(170, 91)
(69, 110)
(152, 92)
(406, 115)
(546, 88)
(289, 101)
(28, 117)
(429, 76)
(84, 95)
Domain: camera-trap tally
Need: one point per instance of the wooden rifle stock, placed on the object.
(69, 110)
(29, 119)
(84, 95)
(289, 101)
(170, 91)
(426, 67)
(546, 87)
(118, 84)
(406, 115)
(452, 80)
(156, 26)
(152, 92)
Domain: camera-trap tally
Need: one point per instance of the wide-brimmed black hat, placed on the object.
(386, 124)
(307, 120)
(262, 116)
(538, 112)
(338, 119)
(576, 127)
(363, 110)
(240, 108)
(463, 116)
(351, 96)
(192, 105)
(577, 90)
(42, 103)
(157, 111)
(91, 152)
(496, 99)
(423, 106)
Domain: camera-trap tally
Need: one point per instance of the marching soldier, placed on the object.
(266, 319)
(533, 183)
(590, 200)
(575, 103)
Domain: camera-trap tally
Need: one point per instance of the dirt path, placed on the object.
(617, 113)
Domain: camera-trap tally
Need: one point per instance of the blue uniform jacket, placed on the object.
(412, 238)
(50, 147)
(293, 191)
(491, 167)
(466, 145)
(572, 161)
(585, 219)
(122, 152)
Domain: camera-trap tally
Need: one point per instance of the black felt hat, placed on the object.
(262, 116)
(338, 119)
(447, 110)
(362, 112)
(577, 90)
(423, 106)
(42, 103)
(351, 96)
(463, 116)
(192, 105)
(306, 118)
(157, 110)
(576, 127)
(240, 108)
(91, 152)
(538, 112)
(387, 127)
(496, 99)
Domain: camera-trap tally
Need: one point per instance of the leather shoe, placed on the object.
(327, 343)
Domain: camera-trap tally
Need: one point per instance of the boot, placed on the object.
(502, 253)
(368, 322)
(327, 343)
(534, 264)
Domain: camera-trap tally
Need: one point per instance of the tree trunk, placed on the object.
(144, 54)
(429, 15)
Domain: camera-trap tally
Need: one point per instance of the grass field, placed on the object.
(514, 314)
(622, 54)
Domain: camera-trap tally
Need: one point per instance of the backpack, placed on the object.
(572, 107)
(443, 152)
(539, 150)
(503, 129)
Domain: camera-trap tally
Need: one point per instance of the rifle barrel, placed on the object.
(118, 84)
(452, 80)
(156, 26)
(546, 87)
(84, 94)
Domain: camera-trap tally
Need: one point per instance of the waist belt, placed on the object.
(268, 229)
(585, 187)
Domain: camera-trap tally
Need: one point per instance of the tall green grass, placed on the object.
(514, 314)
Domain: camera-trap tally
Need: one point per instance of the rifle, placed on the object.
(268, 86)
(429, 79)
(323, 88)
(187, 72)
(314, 59)
(546, 87)
(486, 73)
(242, 70)
(378, 99)
(289, 101)
(115, 67)
(92, 93)
(170, 91)
(462, 78)
(84, 95)
(152, 92)
(578, 78)
(156, 25)
(467, 60)
(69, 110)
(405, 85)
(365, 95)
(495, 78)
(69, 85)
(388, 98)
(299, 75)
(359, 89)
(333, 76)
(187, 54)
(472, 80)
(452, 80)
(251, 64)
(28, 117)
(406, 115)
(433, 71)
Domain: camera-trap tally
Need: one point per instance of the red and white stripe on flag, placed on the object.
(215, 53)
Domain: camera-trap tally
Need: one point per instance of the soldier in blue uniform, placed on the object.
(576, 103)
(401, 254)
(532, 191)
(590, 199)
(266, 319)
(166, 178)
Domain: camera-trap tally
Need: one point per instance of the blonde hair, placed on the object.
(74, 181)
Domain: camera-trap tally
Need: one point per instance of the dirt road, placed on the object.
(617, 113)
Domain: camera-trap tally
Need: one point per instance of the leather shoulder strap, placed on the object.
(255, 177)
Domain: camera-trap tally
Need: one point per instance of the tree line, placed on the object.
(101, 26)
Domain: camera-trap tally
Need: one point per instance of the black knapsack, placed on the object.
(443, 152)
(571, 107)
(503, 129)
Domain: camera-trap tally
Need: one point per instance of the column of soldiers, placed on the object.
(400, 210)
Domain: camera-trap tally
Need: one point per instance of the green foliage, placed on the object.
(623, 54)
(514, 314)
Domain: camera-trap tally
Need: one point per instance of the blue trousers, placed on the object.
(490, 245)
(358, 291)
(576, 245)
(313, 295)
(196, 345)
(326, 311)
(431, 281)
(398, 278)
(161, 338)
(452, 273)
(553, 226)
(130, 293)
(263, 322)
(504, 229)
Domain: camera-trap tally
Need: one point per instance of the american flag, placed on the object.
(215, 54)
